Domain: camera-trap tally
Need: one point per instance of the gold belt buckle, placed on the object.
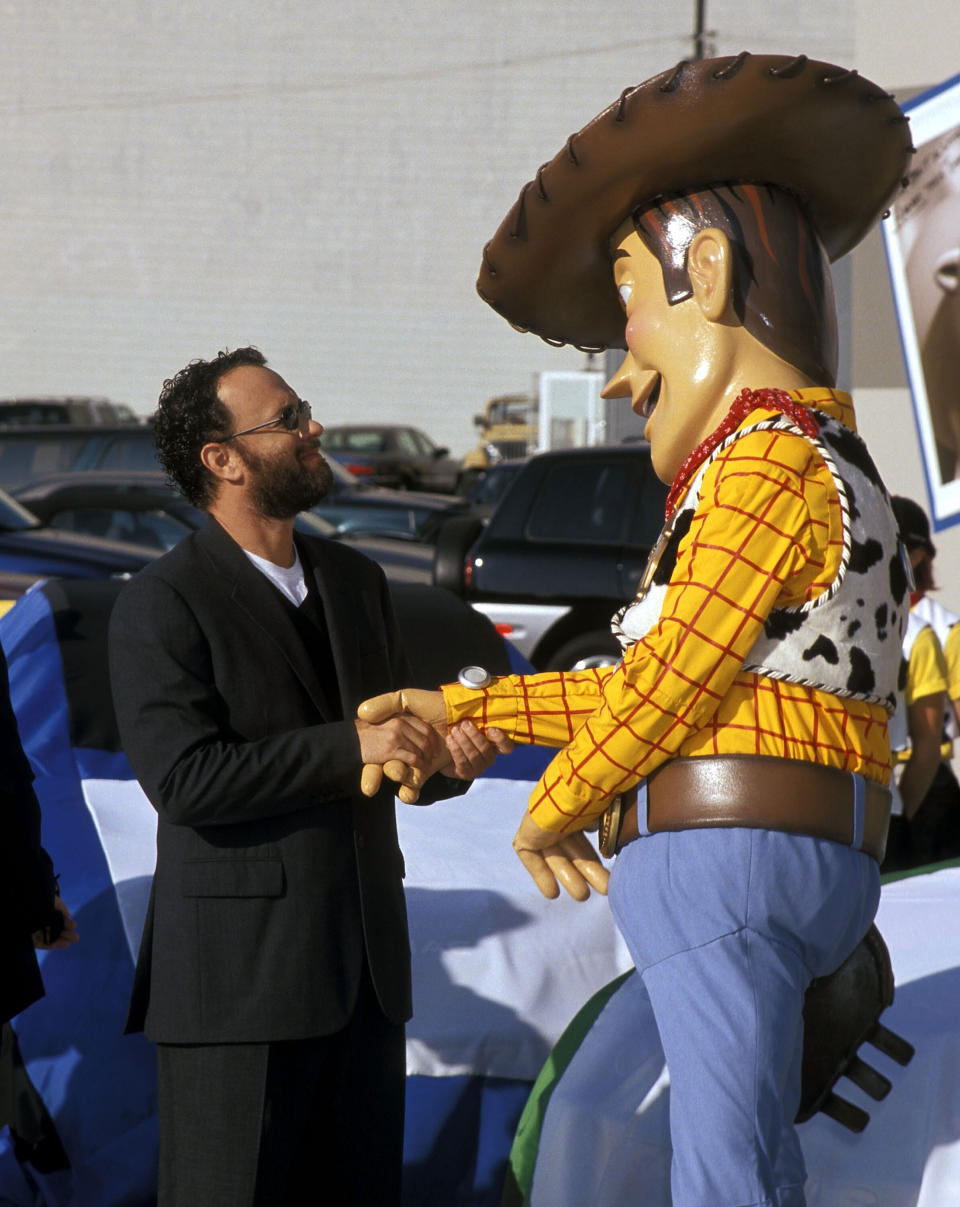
(608, 830)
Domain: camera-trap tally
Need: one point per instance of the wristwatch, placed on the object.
(475, 677)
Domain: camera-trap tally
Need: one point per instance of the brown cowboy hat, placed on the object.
(831, 138)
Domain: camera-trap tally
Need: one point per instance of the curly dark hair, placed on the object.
(189, 415)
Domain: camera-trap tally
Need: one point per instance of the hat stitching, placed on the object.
(626, 107)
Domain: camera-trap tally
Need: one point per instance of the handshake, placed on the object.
(404, 736)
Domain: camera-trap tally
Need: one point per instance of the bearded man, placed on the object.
(274, 968)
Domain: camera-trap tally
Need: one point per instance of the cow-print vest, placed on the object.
(899, 728)
(846, 641)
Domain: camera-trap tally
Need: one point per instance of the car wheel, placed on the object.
(453, 542)
(597, 648)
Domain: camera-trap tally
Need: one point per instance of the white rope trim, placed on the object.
(690, 502)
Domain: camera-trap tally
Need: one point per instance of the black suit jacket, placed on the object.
(27, 887)
(273, 872)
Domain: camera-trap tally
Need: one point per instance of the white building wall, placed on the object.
(315, 179)
(320, 180)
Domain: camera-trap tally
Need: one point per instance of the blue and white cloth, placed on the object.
(498, 970)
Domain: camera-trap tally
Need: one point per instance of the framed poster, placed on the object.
(922, 239)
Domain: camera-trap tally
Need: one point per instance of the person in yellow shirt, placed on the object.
(738, 756)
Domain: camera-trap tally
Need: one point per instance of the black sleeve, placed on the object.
(173, 725)
(437, 787)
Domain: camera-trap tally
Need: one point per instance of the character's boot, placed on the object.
(841, 1011)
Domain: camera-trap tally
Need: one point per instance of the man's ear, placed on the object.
(220, 462)
(710, 269)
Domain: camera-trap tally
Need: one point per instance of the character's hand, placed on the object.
(44, 940)
(410, 748)
(472, 752)
(427, 707)
(560, 859)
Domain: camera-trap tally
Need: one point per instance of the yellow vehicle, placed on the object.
(508, 430)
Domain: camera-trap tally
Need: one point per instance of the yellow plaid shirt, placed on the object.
(766, 534)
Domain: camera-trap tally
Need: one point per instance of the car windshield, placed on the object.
(130, 452)
(152, 527)
(360, 441)
(395, 521)
(25, 455)
(495, 481)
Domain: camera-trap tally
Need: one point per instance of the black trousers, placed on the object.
(933, 833)
(263, 1125)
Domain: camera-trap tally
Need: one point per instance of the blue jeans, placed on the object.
(727, 927)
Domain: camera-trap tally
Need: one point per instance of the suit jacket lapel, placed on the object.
(263, 606)
(344, 624)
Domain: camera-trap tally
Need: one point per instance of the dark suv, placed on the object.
(563, 550)
(30, 452)
(68, 408)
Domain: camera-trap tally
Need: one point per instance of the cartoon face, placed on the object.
(678, 364)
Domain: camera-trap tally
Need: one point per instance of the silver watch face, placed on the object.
(475, 677)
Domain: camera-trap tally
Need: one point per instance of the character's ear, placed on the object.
(219, 461)
(710, 268)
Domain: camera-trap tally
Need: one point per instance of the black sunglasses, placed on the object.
(288, 419)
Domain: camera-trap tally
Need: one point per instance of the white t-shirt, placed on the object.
(288, 579)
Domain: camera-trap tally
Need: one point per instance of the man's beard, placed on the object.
(279, 489)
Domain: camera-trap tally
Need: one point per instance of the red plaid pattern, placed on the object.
(766, 534)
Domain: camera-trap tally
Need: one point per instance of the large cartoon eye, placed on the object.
(626, 292)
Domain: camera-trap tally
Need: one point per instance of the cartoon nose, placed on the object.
(619, 384)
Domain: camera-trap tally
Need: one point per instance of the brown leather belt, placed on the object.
(755, 792)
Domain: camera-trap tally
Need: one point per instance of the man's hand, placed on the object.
(410, 748)
(472, 752)
(411, 702)
(44, 940)
(560, 859)
(468, 752)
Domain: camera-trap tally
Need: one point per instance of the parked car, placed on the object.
(27, 453)
(353, 505)
(492, 486)
(141, 504)
(64, 409)
(390, 455)
(31, 549)
(136, 507)
(356, 505)
(564, 549)
(142, 509)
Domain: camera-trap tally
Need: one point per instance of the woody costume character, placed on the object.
(743, 737)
